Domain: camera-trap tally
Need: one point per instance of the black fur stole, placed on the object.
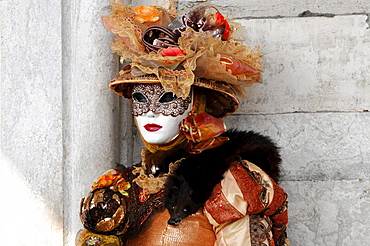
(194, 179)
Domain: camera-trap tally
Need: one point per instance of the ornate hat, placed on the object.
(200, 49)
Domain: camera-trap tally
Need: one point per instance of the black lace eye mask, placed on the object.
(152, 97)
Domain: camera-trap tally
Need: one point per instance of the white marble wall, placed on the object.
(61, 126)
(31, 142)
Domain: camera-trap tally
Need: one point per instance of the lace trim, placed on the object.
(148, 182)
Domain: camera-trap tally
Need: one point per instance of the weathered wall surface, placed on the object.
(31, 173)
(61, 126)
(59, 120)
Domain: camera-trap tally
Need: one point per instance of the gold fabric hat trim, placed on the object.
(221, 99)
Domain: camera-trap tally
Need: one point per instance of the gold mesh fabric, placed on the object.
(194, 230)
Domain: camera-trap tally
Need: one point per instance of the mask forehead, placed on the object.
(153, 94)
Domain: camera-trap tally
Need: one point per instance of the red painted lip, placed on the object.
(152, 127)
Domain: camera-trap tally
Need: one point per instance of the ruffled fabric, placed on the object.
(203, 58)
(248, 208)
(122, 24)
(206, 50)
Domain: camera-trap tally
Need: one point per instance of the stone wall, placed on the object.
(59, 121)
(61, 126)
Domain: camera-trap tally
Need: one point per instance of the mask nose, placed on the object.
(151, 114)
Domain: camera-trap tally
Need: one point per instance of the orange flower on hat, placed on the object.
(146, 13)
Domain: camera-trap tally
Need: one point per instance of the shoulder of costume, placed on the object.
(245, 145)
(202, 172)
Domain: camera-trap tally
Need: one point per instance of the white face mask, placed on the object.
(158, 114)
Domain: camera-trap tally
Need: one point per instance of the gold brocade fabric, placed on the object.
(194, 230)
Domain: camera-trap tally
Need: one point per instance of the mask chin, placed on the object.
(159, 128)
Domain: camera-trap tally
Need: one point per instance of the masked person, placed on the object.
(197, 183)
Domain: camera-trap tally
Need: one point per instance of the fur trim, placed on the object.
(256, 148)
(193, 181)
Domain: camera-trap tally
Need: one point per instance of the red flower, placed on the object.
(173, 51)
(220, 20)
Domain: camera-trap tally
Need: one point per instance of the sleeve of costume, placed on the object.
(117, 207)
(248, 208)
(103, 211)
